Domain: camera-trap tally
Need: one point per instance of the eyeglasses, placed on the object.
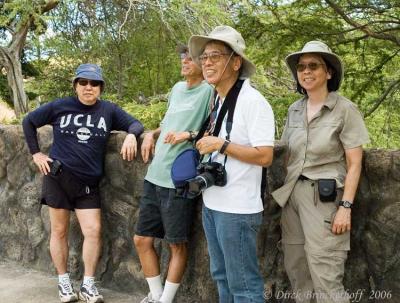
(93, 83)
(214, 57)
(184, 56)
(311, 66)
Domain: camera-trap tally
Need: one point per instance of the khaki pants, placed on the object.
(314, 257)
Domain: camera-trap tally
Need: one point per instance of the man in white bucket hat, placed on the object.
(232, 213)
(324, 134)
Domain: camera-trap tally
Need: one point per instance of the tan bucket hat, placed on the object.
(318, 47)
(231, 37)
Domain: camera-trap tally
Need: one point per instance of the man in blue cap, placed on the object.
(74, 167)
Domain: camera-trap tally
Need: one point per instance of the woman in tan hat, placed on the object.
(324, 134)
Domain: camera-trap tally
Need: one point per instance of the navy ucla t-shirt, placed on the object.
(80, 133)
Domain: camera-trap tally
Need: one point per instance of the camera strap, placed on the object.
(228, 105)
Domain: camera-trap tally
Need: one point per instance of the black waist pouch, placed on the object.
(327, 190)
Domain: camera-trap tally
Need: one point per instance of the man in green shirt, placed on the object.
(162, 214)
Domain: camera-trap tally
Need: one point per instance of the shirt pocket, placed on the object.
(324, 138)
(296, 124)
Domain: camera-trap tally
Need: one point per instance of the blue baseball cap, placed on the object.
(89, 71)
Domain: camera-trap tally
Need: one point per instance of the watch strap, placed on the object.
(224, 146)
(346, 204)
(192, 135)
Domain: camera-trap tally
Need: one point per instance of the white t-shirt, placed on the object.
(253, 125)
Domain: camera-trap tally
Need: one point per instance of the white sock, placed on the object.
(169, 292)
(63, 277)
(155, 287)
(88, 280)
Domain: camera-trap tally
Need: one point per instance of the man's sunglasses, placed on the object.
(311, 66)
(93, 83)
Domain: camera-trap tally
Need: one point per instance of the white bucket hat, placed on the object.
(320, 48)
(231, 37)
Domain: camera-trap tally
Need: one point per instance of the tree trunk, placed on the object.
(11, 62)
(10, 57)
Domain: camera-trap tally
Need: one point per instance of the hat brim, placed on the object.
(197, 44)
(334, 61)
(89, 76)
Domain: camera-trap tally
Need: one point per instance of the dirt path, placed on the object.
(18, 284)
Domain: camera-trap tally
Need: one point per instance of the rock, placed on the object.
(373, 264)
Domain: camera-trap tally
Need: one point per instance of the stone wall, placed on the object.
(373, 265)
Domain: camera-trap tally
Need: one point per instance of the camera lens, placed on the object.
(201, 182)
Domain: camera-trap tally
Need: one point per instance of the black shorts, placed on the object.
(164, 215)
(66, 191)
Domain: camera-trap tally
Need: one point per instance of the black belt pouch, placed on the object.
(327, 190)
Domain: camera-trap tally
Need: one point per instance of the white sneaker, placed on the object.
(149, 299)
(66, 291)
(89, 293)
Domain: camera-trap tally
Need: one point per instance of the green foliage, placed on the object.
(150, 115)
(384, 127)
(274, 29)
(134, 42)
(54, 79)
(21, 11)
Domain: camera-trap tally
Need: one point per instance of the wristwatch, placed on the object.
(224, 146)
(345, 203)
(192, 135)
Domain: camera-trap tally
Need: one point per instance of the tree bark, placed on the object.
(10, 59)
(11, 62)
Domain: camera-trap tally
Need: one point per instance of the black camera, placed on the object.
(55, 167)
(208, 174)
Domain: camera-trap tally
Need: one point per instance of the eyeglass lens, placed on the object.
(214, 57)
(312, 66)
(93, 83)
(185, 56)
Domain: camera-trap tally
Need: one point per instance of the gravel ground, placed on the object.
(18, 284)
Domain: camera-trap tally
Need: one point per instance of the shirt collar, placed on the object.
(330, 102)
(300, 105)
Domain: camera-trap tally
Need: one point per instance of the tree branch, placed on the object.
(19, 37)
(382, 98)
(3, 52)
(353, 39)
(10, 29)
(374, 8)
(49, 6)
(125, 19)
(363, 28)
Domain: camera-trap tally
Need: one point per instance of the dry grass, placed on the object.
(6, 113)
